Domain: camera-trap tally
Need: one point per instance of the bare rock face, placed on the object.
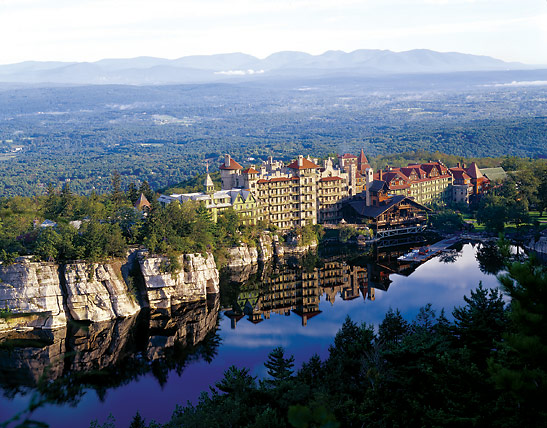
(243, 255)
(539, 246)
(266, 246)
(97, 292)
(197, 277)
(32, 293)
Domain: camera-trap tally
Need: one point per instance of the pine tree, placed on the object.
(279, 367)
(138, 422)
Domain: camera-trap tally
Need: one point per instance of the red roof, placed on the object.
(330, 179)
(348, 156)
(232, 166)
(474, 171)
(306, 164)
(250, 170)
(363, 161)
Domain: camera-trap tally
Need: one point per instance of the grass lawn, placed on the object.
(509, 227)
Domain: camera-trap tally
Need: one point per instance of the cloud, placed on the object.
(239, 72)
(522, 83)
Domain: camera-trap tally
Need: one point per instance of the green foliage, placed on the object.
(279, 367)
(447, 220)
(521, 370)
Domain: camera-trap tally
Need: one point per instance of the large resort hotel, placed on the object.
(307, 191)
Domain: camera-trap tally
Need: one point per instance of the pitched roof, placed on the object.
(377, 185)
(232, 165)
(208, 181)
(250, 170)
(306, 164)
(142, 202)
(348, 156)
(362, 161)
(372, 212)
(474, 171)
(459, 174)
(494, 173)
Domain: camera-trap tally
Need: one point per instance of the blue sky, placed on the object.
(88, 30)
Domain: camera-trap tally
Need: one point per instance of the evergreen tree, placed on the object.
(480, 323)
(521, 368)
(279, 367)
(393, 328)
(138, 422)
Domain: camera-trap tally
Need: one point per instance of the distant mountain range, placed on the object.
(239, 66)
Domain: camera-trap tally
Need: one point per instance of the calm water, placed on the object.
(151, 364)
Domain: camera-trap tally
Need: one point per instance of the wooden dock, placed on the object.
(429, 251)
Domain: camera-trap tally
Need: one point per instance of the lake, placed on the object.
(152, 362)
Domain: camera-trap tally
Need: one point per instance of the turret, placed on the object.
(229, 172)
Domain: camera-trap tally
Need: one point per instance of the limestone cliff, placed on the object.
(241, 256)
(32, 294)
(98, 292)
(197, 277)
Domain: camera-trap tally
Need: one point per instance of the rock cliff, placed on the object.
(98, 292)
(241, 256)
(31, 296)
(197, 277)
(45, 295)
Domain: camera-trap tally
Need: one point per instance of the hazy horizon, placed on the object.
(87, 31)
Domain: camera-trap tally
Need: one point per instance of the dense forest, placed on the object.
(165, 134)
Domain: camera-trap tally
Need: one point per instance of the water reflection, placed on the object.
(297, 285)
(143, 362)
(61, 364)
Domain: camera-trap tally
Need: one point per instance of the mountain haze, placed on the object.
(239, 66)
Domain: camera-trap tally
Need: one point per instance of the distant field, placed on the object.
(115, 128)
(6, 157)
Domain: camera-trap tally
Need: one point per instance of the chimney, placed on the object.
(300, 160)
(226, 160)
(458, 165)
(380, 175)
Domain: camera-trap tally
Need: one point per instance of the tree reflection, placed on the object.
(490, 258)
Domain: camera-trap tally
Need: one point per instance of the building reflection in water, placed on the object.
(283, 290)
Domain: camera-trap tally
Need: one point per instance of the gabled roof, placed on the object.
(306, 164)
(408, 170)
(360, 207)
(388, 176)
(378, 185)
(250, 170)
(474, 171)
(459, 174)
(233, 165)
(348, 156)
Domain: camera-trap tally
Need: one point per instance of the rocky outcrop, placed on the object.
(98, 292)
(241, 256)
(31, 296)
(267, 245)
(539, 246)
(197, 277)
